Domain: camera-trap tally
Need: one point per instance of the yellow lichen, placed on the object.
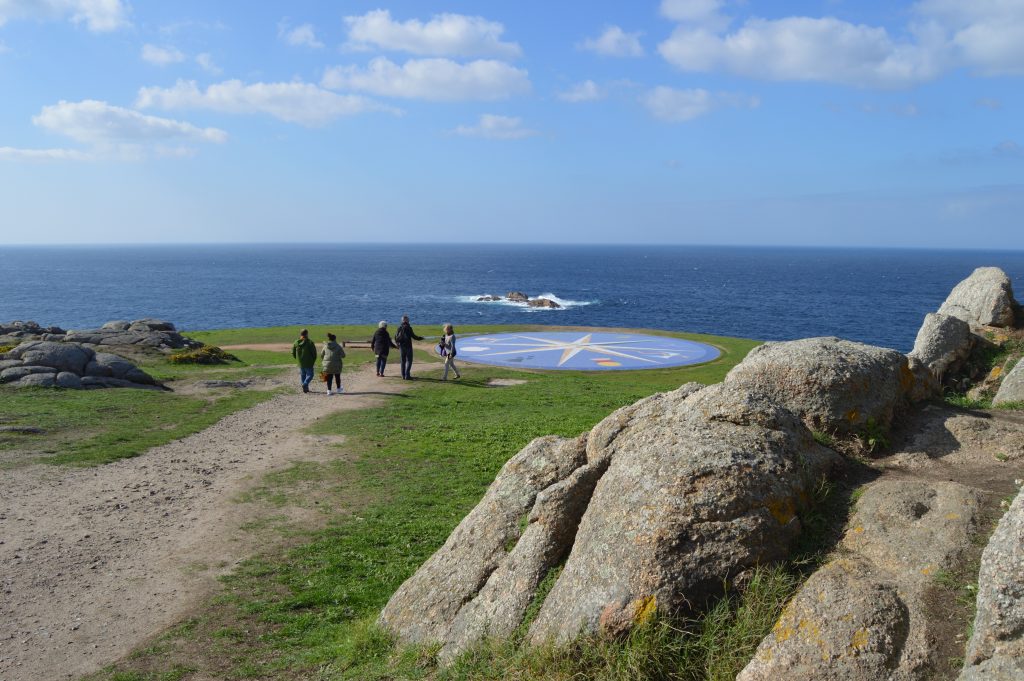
(927, 570)
(952, 516)
(907, 378)
(860, 639)
(858, 530)
(645, 609)
(852, 415)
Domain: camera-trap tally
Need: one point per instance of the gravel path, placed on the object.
(95, 560)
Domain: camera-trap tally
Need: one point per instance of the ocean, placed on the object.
(876, 296)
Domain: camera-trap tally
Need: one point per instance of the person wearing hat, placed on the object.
(304, 352)
(381, 344)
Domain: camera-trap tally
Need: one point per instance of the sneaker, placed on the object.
(339, 390)
(305, 388)
(329, 393)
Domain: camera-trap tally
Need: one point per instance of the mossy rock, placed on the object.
(208, 354)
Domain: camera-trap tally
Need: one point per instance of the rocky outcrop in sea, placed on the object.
(667, 503)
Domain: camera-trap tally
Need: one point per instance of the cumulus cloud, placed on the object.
(95, 122)
(97, 15)
(677, 106)
(445, 35)
(293, 102)
(161, 56)
(986, 36)
(614, 42)
(587, 91)
(1008, 148)
(492, 126)
(300, 36)
(206, 63)
(431, 79)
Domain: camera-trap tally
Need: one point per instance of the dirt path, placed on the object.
(95, 560)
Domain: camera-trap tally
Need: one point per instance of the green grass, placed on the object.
(417, 465)
(962, 401)
(91, 427)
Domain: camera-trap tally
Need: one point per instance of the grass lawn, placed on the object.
(418, 464)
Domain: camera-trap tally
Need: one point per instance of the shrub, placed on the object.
(208, 354)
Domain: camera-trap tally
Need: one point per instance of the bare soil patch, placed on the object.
(94, 561)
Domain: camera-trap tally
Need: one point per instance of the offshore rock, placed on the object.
(997, 644)
(836, 386)
(700, 487)
(517, 297)
(983, 299)
(1012, 387)
(543, 302)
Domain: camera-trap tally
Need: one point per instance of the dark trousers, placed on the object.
(406, 361)
(382, 361)
(336, 378)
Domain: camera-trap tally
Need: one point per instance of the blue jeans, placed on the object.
(406, 362)
(305, 375)
(382, 361)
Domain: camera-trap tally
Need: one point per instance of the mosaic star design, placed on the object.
(595, 351)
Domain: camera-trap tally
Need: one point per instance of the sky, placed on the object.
(833, 122)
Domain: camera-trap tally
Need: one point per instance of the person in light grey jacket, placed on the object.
(331, 357)
(449, 351)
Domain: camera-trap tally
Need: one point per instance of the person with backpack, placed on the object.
(404, 337)
(381, 344)
(448, 352)
(304, 352)
(331, 357)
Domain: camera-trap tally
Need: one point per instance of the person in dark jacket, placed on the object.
(404, 337)
(304, 352)
(381, 344)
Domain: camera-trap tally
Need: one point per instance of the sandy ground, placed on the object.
(93, 561)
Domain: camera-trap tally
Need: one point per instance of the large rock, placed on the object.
(517, 297)
(699, 488)
(484, 545)
(1012, 387)
(864, 616)
(543, 302)
(48, 380)
(983, 299)
(942, 343)
(60, 356)
(836, 386)
(118, 367)
(845, 624)
(998, 639)
(15, 374)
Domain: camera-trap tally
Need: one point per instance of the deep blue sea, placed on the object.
(875, 296)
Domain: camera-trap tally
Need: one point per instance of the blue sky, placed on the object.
(680, 121)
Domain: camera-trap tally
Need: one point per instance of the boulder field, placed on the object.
(50, 364)
(154, 334)
(668, 502)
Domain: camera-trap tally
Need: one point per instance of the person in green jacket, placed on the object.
(304, 352)
(331, 357)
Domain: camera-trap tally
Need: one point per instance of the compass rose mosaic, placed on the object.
(583, 351)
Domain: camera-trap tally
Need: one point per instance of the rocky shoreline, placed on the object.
(670, 501)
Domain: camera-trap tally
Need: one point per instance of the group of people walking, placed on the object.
(331, 356)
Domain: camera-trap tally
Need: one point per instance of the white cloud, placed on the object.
(13, 154)
(161, 56)
(205, 62)
(300, 36)
(1008, 148)
(491, 126)
(98, 123)
(986, 36)
(989, 103)
(97, 15)
(432, 79)
(614, 42)
(804, 49)
(452, 35)
(677, 106)
(294, 102)
(587, 91)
